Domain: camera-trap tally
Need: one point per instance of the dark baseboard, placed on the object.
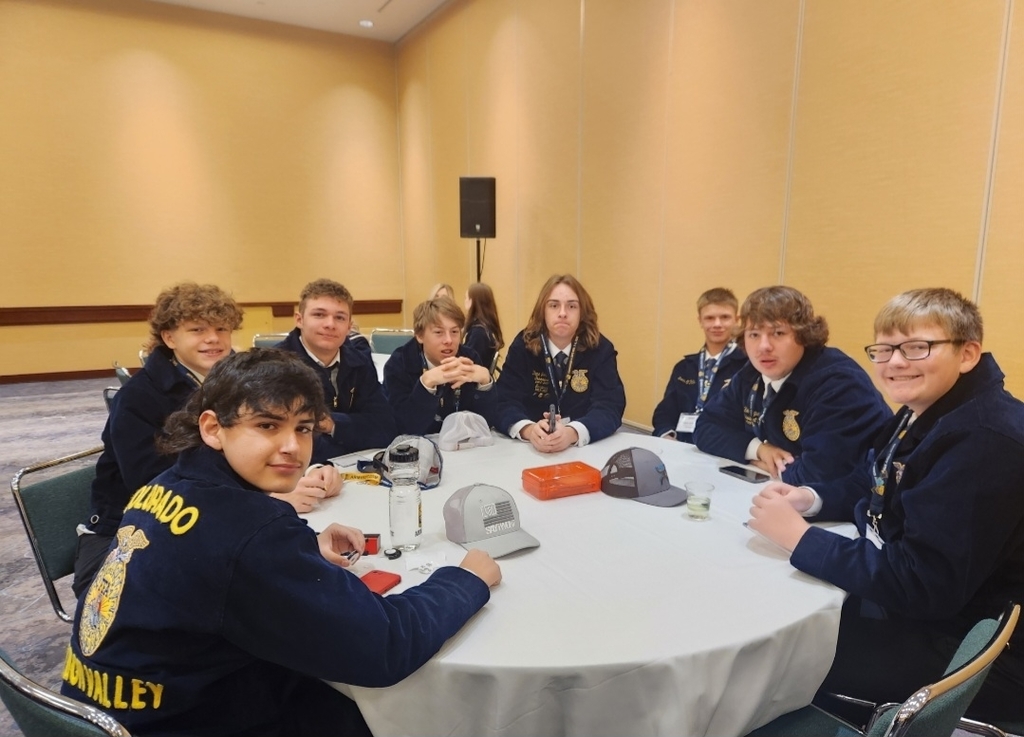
(61, 376)
(140, 313)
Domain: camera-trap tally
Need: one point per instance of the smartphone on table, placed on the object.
(745, 474)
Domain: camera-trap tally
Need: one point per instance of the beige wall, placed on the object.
(661, 147)
(655, 148)
(142, 144)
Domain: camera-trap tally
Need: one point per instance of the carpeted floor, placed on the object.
(38, 422)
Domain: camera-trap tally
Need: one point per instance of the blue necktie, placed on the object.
(560, 361)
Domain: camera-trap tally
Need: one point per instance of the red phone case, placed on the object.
(380, 581)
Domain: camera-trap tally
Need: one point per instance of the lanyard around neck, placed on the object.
(558, 387)
(881, 467)
(768, 395)
(706, 376)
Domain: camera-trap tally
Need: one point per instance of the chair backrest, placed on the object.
(122, 373)
(108, 395)
(937, 709)
(388, 340)
(267, 340)
(495, 368)
(51, 511)
(40, 712)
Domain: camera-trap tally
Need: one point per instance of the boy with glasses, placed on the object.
(800, 411)
(939, 506)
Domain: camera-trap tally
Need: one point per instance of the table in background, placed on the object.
(379, 359)
(627, 620)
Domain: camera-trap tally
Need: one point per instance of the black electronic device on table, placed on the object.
(745, 474)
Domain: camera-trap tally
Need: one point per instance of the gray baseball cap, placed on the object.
(638, 474)
(484, 516)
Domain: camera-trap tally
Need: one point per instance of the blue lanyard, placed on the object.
(881, 466)
(558, 387)
(755, 392)
(706, 377)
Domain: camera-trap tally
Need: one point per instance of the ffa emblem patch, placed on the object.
(104, 595)
(579, 381)
(898, 468)
(789, 427)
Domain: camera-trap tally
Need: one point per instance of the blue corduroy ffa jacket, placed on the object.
(595, 395)
(361, 414)
(217, 605)
(953, 515)
(682, 390)
(826, 414)
(417, 411)
(137, 415)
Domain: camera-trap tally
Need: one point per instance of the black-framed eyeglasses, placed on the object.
(912, 350)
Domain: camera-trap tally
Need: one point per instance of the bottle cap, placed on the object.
(404, 454)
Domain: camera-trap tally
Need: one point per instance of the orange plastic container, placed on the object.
(561, 479)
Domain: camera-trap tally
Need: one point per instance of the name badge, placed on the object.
(871, 535)
(687, 422)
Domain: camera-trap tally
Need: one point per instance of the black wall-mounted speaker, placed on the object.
(476, 207)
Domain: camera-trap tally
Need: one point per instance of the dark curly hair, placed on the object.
(257, 381)
(778, 304)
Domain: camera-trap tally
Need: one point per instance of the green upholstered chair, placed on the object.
(122, 373)
(933, 711)
(998, 729)
(267, 340)
(388, 340)
(51, 511)
(108, 395)
(40, 712)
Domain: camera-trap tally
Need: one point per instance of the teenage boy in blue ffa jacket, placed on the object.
(798, 410)
(360, 416)
(219, 611)
(560, 360)
(939, 505)
(700, 376)
(189, 331)
(434, 375)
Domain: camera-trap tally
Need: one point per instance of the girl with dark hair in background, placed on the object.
(483, 330)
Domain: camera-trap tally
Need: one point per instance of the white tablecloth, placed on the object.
(628, 620)
(379, 359)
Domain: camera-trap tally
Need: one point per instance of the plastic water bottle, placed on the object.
(404, 504)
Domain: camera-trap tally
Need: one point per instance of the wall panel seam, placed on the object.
(659, 312)
(579, 146)
(791, 145)
(986, 204)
